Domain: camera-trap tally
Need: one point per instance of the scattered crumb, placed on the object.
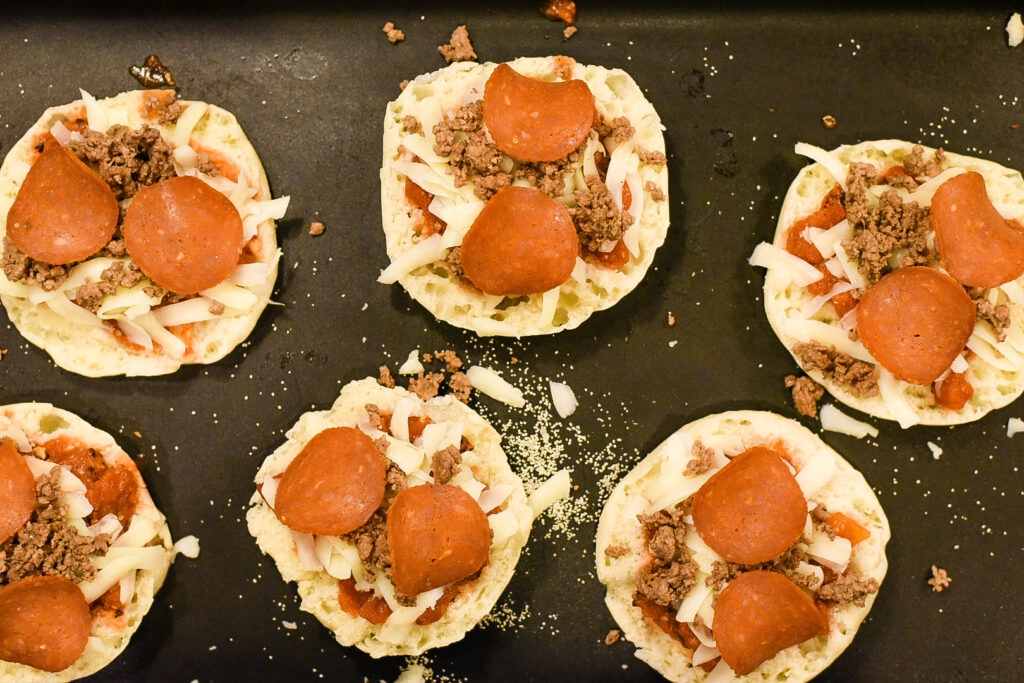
(386, 379)
(612, 637)
(1014, 425)
(152, 73)
(935, 449)
(806, 394)
(3, 352)
(427, 384)
(559, 10)
(569, 31)
(458, 49)
(829, 121)
(395, 35)
(1014, 30)
(671, 320)
(614, 551)
(316, 228)
(940, 579)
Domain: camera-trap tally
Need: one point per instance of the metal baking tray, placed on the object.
(735, 90)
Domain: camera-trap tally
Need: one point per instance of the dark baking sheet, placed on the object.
(735, 90)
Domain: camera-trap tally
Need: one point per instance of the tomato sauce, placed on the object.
(612, 260)
(225, 165)
(375, 609)
(953, 392)
(109, 606)
(155, 101)
(665, 619)
(420, 198)
(830, 212)
(110, 489)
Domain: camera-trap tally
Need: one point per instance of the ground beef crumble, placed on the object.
(395, 35)
(445, 464)
(46, 545)
(940, 579)
(843, 369)
(702, 460)
(846, 588)
(126, 159)
(997, 315)
(598, 220)
(786, 564)
(459, 48)
(671, 573)
(891, 233)
(806, 394)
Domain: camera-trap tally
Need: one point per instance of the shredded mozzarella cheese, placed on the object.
(835, 420)
(489, 382)
(421, 254)
(776, 259)
(554, 489)
(833, 164)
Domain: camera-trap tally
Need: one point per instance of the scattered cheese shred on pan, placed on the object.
(550, 492)
(491, 383)
(1015, 30)
(563, 398)
(835, 420)
(187, 546)
(412, 364)
(1014, 425)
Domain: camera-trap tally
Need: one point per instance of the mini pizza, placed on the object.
(742, 546)
(896, 280)
(399, 519)
(520, 198)
(83, 547)
(139, 234)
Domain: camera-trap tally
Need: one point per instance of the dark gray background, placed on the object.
(735, 90)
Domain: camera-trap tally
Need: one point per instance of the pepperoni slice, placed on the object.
(977, 245)
(183, 234)
(17, 490)
(915, 321)
(438, 535)
(752, 509)
(64, 212)
(334, 485)
(533, 120)
(46, 622)
(761, 613)
(522, 242)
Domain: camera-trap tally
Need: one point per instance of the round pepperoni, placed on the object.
(438, 535)
(977, 245)
(533, 120)
(64, 212)
(17, 490)
(761, 613)
(334, 485)
(915, 321)
(522, 242)
(752, 509)
(183, 234)
(46, 622)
